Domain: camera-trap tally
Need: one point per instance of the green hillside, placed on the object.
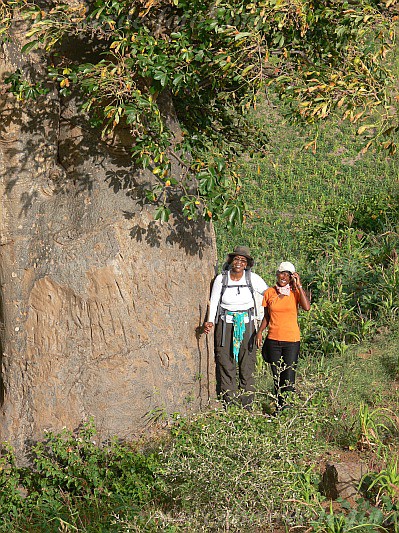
(288, 187)
(334, 213)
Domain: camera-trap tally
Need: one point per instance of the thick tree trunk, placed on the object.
(100, 304)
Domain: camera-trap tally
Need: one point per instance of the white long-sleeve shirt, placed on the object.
(235, 297)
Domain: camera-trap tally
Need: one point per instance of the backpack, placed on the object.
(257, 298)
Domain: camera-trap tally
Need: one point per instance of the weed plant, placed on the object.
(75, 483)
(350, 391)
(219, 470)
(362, 519)
(238, 471)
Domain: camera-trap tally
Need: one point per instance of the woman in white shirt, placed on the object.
(232, 310)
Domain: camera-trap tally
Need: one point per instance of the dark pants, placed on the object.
(283, 358)
(226, 366)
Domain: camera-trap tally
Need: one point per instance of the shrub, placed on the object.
(77, 481)
(239, 471)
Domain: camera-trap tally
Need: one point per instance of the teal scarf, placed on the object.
(238, 331)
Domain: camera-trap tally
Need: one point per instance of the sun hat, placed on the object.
(286, 266)
(241, 250)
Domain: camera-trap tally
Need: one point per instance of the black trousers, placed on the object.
(226, 366)
(283, 359)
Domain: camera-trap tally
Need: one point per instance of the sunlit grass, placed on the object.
(288, 187)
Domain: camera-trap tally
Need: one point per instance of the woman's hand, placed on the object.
(258, 339)
(207, 327)
(296, 284)
(262, 327)
(295, 280)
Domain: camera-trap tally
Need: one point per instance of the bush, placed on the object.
(238, 471)
(76, 481)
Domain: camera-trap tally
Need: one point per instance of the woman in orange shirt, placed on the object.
(281, 346)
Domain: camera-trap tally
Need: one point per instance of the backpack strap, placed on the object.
(223, 329)
(250, 287)
(225, 280)
(253, 313)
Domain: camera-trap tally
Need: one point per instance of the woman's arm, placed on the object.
(304, 301)
(262, 327)
(258, 283)
(214, 302)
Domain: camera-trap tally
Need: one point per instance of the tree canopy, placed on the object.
(212, 59)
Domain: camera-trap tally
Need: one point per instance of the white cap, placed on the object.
(286, 266)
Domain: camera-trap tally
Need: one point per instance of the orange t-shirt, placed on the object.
(283, 311)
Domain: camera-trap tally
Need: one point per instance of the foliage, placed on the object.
(348, 392)
(6, 16)
(211, 59)
(361, 518)
(355, 271)
(334, 214)
(249, 453)
(374, 426)
(220, 470)
(386, 481)
(10, 495)
(22, 88)
(217, 470)
(73, 471)
(76, 464)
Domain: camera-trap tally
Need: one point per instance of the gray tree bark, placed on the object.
(100, 304)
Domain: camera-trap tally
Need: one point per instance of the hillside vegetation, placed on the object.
(334, 214)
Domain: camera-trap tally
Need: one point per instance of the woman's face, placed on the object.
(239, 263)
(283, 278)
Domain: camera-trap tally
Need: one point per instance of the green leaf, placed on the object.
(241, 35)
(364, 128)
(161, 76)
(162, 213)
(177, 79)
(32, 45)
(234, 215)
(247, 69)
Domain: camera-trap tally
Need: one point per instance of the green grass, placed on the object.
(224, 470)
(334, 213)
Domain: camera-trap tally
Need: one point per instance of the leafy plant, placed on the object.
(387, 481)
(11, 497)
(74, 480)
(307, 483)
(5, 19)
(23, 88)
(250, 452)
(360, 518)
(374, 426)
